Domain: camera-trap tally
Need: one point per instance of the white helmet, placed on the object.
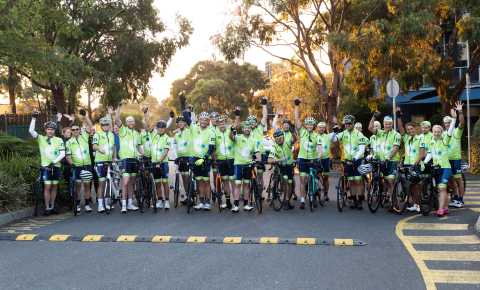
(365, 169)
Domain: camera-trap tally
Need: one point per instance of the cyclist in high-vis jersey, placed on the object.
(78, 155)
(52, 151)
(388, 142)
(286, 127)
(414, 153)
(224, 157)
(374, 147)
(455, 156)
(244, 150)
(282, 155)
(182, 143)
(437, 150)
(310, 149)
(130, 151)
(353, 145)
(160, 146)
(325, 139)
(104, 147)
(426, 134)
(203, 146)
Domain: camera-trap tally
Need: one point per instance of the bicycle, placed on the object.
(313, 186)
(255, 193)
(343, 187)
(376, 193)
(176, 187)
(37, 191)
(218, 192)
(145, 189)
(429, 196)
(406, 176)
(275, 195)
(113, 187)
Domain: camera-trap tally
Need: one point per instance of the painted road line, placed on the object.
(436, 227)
(232, 240)
(126, 238)
(26, 237)
(475, 209)
(59, 238)
(269, 240)
(472, 202)
(471, 198)
(473, 256)
(343, 242)
(161, 239)
(450, 240)
(92, 238)
(422, 267)
(306, 241)
(455, 276)
(196, 239)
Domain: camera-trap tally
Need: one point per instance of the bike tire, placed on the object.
(340, 195)
(399, 197)
(176, 190)
(257, 197)
(276, 201)
(37, 196)
(374, 197)
(311, 193)
(139, 193)
(107, 189)
(190, 196)
(153, 194)
(426, 202)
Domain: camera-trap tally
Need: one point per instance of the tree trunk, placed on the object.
(72, 99)
(58, 95)
(12, 86)
(443, 95)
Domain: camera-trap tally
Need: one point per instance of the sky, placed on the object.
(208, 17)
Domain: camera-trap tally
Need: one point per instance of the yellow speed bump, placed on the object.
(26, 237)
(269, 240)
(92, 238)
(59, 238)
(161, 239)
(196, 240)
(232, 240)
(306, 241)
(343, 242)
(126, 238)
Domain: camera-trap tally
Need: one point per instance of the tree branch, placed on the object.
(38, 84)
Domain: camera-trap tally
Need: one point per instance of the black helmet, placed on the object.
(50, 125)
(161, 124)
(278, 133)
(180, 119)
(348, 119)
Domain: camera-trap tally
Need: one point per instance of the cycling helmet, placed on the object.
(161, 124)
(130, 119)
(246, 124)
(365, 169)
(86, 175)
(252, 119)
(214, 115)
(203, 115)
(387, 119)
(50, 125)
(278, 133)
(105, 121)
(286, 120)
(310, 121)
(180, 119)
(348, 119)
(447, 119)
(426, 124)
(221, 118)
(322, 124)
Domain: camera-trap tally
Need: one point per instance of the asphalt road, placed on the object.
(384, 263)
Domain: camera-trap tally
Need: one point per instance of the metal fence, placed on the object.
(17, 125)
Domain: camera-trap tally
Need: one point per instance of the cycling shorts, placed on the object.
(50, 175)
(160, 171)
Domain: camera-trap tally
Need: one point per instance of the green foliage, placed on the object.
(476, 129)
(216, 85)
(13, 145)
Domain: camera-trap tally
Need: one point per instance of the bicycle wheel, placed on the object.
(374, 197)
(318, 192)
(276, 193)
(399, 197)
(219, 192)
(426, 202)
(153, 193)
(107, 194)
(139, 193)
(176, 190)
(190, 192)
(311, 192)
(257, 197)
(73, 194)
(340, 194)
(37, 192)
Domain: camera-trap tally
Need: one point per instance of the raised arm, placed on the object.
(236, 122)
(400, 125)
(145, 119)
(296, 113)
(371, 124)
(264, 120)
(31, 129)
(170, 119)
(461, 118)
(86, 122)
(275, 122)
(118, 121)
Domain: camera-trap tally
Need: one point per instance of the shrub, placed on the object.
(11, 145)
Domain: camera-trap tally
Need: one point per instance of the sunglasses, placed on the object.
(348, 124)
(75, 129)
(103, 125)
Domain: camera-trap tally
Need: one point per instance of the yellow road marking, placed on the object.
(343, 242)
(475, 209)
(306, 241)
(232, 240)
(26, 237)
(472, 198)
(59, 238)
(269, 240)
(456, 276)
(435, 226)
(467, 239)
(161, 239)
(126, 238)
(468, 202)
(92, 238)
(422, 267)
(198, 240)
(473, 256)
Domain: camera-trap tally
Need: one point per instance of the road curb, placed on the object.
(165, 239)
(9, 217)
